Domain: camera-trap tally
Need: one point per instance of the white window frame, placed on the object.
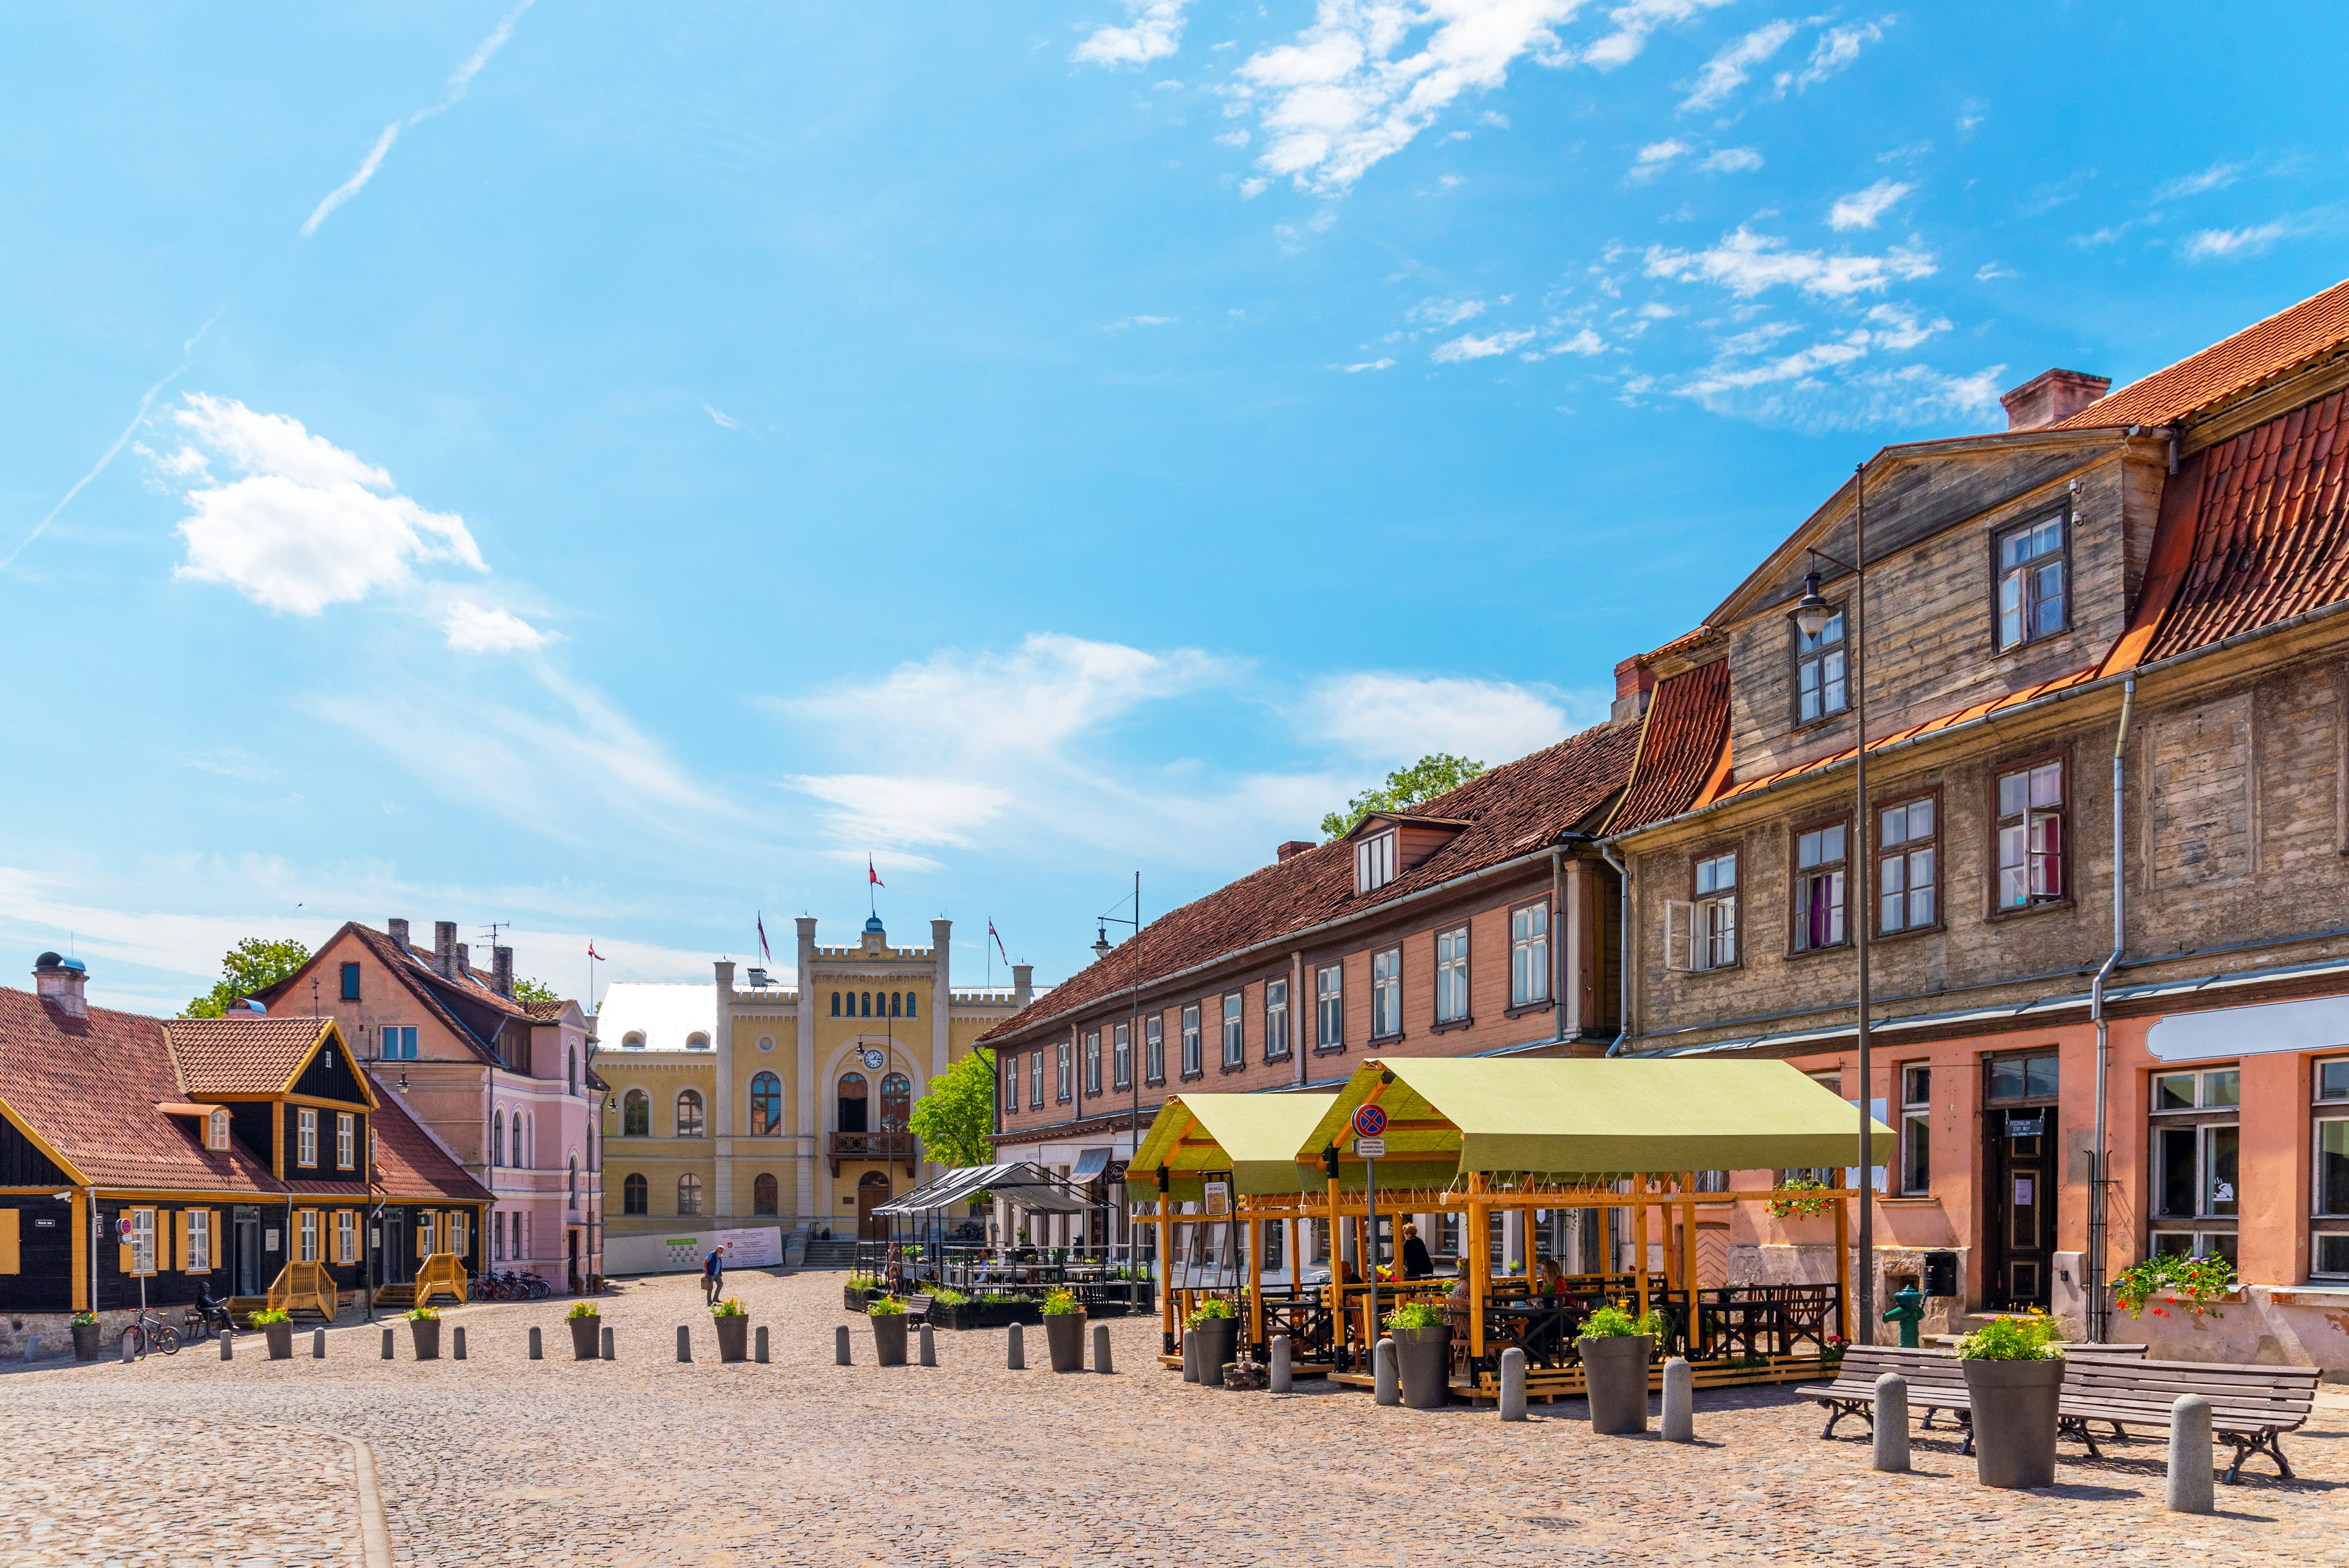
(216, 1130)
(1154, 1048)
(1386, 994)
(1035, 1080)
(1822, 671)
(143, 1241)
(1374, 860)
(1121, 1056)
(1529, 954)
(346, 1236)
(1092, 1062)
(1822, 870)
(346, 1140)
(1700, 931)
(2020, 589)
(2217, 1108)
(1234, 1031)
(199, 1259)
(1276, 1020)
(1194, 1061)
(1064, 1072)
(305, 1137)
(1916, 1080)
(2029, 873)
(1329, 1007)
(1451, 974)
(309, 1241)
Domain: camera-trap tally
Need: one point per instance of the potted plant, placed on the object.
(424, 1327)
(859, 1291)
(888, 1316)
(949, 1308)
(1064, 1330)
(586, 1325)
(733, 1330)
(276, 1326)
(1616, 1348)
(1215, 1332)
(2015, 1378)
(85, 1336)
(2193, 1284)
(1422, 1339)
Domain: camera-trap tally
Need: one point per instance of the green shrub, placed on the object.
(263, 1318)
(84, 1320)
(1061, 1304)
(1416, 1314)
(1614, 1322)
(2003, 1338)
(727, 1307)
(1213, 1310)
(884, 1306)
(946, 1295)
(583, 1309)
(858, 1282)
(1001, 1298)
(424, 1314)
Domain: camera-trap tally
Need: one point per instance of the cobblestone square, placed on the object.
(187, 1460)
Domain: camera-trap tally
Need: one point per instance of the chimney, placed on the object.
(1633, 682)
(399, 932)
(1023, 983)
(61, 981)
(2051, 397)
(464, 958)
(502, 970)
(444, 946)
(1294, 847)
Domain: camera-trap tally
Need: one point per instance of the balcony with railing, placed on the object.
(889, 1145)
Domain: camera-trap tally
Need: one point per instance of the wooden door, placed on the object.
(872, 1191)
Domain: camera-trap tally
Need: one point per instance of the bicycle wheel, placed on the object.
(167, 1339)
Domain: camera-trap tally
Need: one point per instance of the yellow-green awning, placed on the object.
(1254, 1137)
(1590, 1116)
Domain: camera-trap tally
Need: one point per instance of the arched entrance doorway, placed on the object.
(872, 1191)
(853, 1103)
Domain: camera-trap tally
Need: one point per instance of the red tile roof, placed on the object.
(251, 1054)
(88, 1087)
(2263, 349)
(1683, 748)
(2271, 530)
(443, 994)
(1512, 810)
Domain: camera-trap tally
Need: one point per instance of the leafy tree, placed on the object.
(253, 964)
(1424, 780)
(527, 989)
(956, 1120)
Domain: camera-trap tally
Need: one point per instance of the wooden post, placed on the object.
(1639, 1260)
(1688, 1262)
(1297, 1252)
(1480, 1259)
(1166, 1271)
(1843, 1252)
(1256, 1280)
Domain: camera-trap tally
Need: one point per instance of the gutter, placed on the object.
(2098, 1154)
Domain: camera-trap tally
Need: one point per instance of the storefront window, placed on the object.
(2196, 1155)
(2328, 1241)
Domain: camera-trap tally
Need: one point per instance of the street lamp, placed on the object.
(1100, 942)
(1811, 613)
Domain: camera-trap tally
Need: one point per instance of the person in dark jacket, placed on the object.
(713, 1275)
(1416, 1263)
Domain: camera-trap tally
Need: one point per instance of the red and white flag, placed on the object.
(998, 940)
(594, 954)
(871, 875)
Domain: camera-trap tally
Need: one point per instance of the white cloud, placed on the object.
(458, 80)
(1140, 321)
(1747, 264)
(1733, 160)
(1897, 328)
(1727, 70)
(1444, 312)
(1655, 157)
(1465, 348)
(1252, 188)
(304, 524)
(2221, 244)
(1862, 208)
(1235, 138)
(723, 420)
(1380, 716)
(1365, 365)
(873, 809)
(1155, 33)
(1633, 23)
(1585, 342)
(479, 628)
(1369, 76)
(1836, 49)
(2218, 177)
(1991, 271)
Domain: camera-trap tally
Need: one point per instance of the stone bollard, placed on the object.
(228, 1342)
(1680, 1401)
(1513, 1385)
(929, 1346)
(1888, 1447)
(32, 1347)
(1386, 1374)
(537, 1345)
(1190, 1356)
(318, 1343)
(1101, 1347)
(1015, 1354)
(759, 1345)
(840, 1356)
(1280, 1372)
(2192, 1487)
(129, 1354)
(456, 1343)
(607, 1346)
(388, 1351)
(684, 1342)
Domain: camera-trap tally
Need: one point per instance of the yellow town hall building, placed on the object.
(746, 1103)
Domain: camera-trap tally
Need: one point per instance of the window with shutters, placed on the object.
(199, 1241)
(143, 1241)
(309, 1232)
(346, 1236)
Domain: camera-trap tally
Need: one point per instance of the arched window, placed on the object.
(836, 1004)
(868, 1003)
(697, 1041)
(571, 1069)
(515, 1157)
(896, 1005)
(897, 1099)
(766, 1105)
(851, 1103)
(571, 1183)
(636, 1114)
(688, 1194)
(765, 1197)
(636, 1194)
(497, 1138)
(688, 1113)
(909, 1004)
(633, 1040)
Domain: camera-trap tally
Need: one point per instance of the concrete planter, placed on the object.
(84, 1341)
(1218, 1341)
(585, 1337)
(1423, 1358)
(280, 1337)
(733, 1337)
(889, 1339)
(1615, 1370)
(426, 1334)
(853, 1300)
(1064, 1333)
(2014, 1420)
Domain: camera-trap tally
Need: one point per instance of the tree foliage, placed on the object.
(1424, 780)
(528, 990)
(956, 1120)
(253, 964)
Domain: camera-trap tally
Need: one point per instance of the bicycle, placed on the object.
(147, 1331)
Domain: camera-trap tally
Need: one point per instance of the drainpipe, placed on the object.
(2099, 1182)
(1558, 916)
(1623, 935)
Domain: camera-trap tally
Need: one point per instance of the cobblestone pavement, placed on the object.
(498, 1460)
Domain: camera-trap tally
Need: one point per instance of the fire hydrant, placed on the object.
(1908, 1306)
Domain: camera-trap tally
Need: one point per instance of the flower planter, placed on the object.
(1064, 1333)
(280, 1336)
(852, 1299)
(889, 1339)
(1615, 1371)
(1423, 1357)
(586, 1337)
(2014, 1420)
(85, 1338)
(1218, 1341)
(426, 1333)
(734, 1337)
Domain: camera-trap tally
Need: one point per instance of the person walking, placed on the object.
(713, 1276)
(1416, 1263)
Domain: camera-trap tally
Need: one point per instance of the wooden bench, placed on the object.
(917, 1310)
(2250, 1407)
(1937, 1381)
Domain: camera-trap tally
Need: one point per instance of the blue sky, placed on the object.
(608, 469)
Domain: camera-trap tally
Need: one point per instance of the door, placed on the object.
(571, 1257)
(872, 1191)
(393, 1263)
(2019, 1142)
(246, 1250)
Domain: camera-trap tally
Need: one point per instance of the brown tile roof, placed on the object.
(1683, 748)
(408, 1164)
(252, 1054)
(2263, 349)
(88, 1087)
(443, 994)
(546, 1012)
(1515, 809)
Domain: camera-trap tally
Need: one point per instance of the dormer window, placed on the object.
(1374, 861)
(2033, 567)
(216, 1131)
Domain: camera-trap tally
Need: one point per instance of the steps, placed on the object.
(834, 1254)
